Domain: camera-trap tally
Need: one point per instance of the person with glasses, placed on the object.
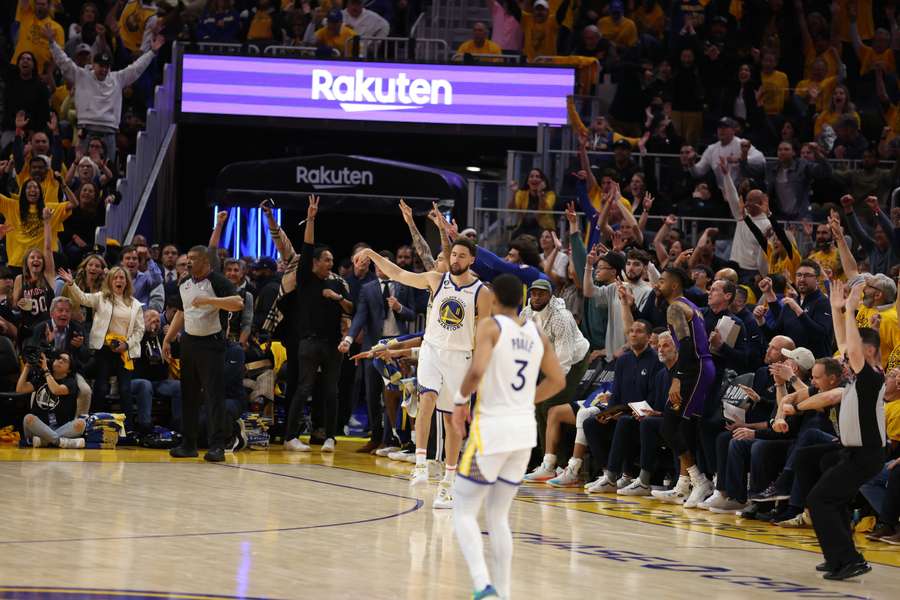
(805, 319)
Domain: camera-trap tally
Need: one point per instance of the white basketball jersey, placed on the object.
(505, 407)
(451, 321)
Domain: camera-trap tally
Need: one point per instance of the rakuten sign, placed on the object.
(454, 94)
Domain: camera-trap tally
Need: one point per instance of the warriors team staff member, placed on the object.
(203, 302)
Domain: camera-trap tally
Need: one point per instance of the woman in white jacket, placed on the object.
(116, 335)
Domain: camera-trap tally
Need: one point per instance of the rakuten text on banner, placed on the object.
(392, 92)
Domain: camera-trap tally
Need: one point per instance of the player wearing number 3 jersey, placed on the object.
(509, 356)
(458, 300)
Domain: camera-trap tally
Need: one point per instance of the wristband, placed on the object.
(414, 353)
(459, 399)
(349, 340)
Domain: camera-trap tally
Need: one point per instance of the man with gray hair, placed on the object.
(65, 335)
(879, 313)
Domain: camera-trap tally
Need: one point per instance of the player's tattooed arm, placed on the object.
(677, 320)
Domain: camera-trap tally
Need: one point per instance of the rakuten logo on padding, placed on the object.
(359, 93)
(323, 179)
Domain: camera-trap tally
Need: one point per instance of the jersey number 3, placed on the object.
(518, 385)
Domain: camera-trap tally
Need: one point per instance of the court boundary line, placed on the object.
(418, 504)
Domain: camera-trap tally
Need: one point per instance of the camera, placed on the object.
(31, 355)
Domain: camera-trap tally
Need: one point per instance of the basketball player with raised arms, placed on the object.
(509, 356)
(458, 299)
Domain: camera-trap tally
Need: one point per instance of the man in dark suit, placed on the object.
(62, 334)
(385, 310)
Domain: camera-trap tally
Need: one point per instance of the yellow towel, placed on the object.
(129, 364)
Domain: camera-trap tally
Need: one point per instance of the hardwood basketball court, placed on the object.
(133, 523)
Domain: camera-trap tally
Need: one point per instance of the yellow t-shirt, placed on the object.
(868, 58)
(339, 41)
(132, 22)
(547, 221)
(892, 420)
(469, 47)
(825, 87)
(260, 26)
(653, 22)
(828, 260)
(888, 330)
(30, 234)
(623, 33)
(31, 36)
(540, 38)
(865, 24)
(826, 117)
(783, 264)
(775, 91)
(810, 56)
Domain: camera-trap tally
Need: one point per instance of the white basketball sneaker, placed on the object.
(295, 445)
(678, 494)
(713, 500)
(542, 473)
(419, 475)
(602, 486)
(699, 493)
(444, 497)
(71, 442)
(635, 488)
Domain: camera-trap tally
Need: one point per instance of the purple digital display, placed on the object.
(364, 91)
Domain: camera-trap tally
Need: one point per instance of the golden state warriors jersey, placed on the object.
(504, 412)
(451, 321)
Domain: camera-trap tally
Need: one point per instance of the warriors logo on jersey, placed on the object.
(451, 313)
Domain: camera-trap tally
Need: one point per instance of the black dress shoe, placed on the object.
(214, 455)
(183, 452)
(824, 567)
(854, 569)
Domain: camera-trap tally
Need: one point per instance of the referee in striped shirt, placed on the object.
(858, 458)
(204, 301)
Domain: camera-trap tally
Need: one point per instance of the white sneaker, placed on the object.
(328, 446)
(444, 497)
(602, 486)
(419, 476)
(728, 507)
(635, 488)
(699, 493)
(677, 495)
(543, 473)
(800, 521)
(71, 442)
(295, 445)
(568, 478)
(715, 499)
(410, 458)
(37, 442)
(387, 450)
(399, 455)
(623, 482)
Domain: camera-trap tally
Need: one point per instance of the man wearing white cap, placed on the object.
(541, 30)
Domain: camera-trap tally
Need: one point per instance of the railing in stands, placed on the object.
(557, 164)
(511, 59)
(295, 51)
(495, 224)
(397, 48)
(135, 186)
(226, 48)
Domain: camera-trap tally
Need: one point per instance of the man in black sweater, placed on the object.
(320, 303)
